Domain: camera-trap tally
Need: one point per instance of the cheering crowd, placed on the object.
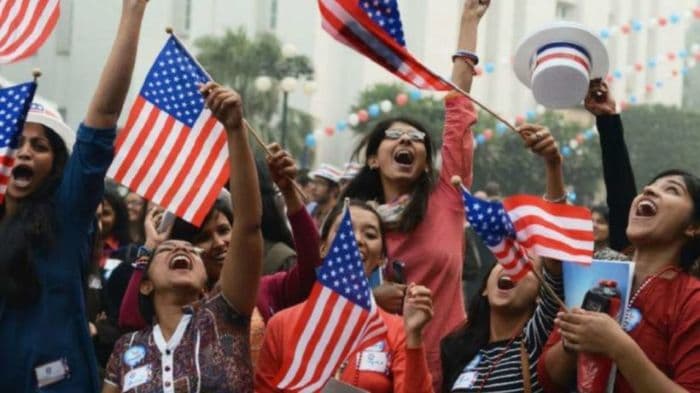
(102, 290)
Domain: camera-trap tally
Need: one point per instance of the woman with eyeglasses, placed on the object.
(424, 217)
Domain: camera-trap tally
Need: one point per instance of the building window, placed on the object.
(64, 29)
(565, 10)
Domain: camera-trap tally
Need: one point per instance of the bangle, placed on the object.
(554, 200)
(468, 62)
(462, 53)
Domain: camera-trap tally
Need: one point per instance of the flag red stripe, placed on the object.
(556, 209)
(550, 243)
(14, 24)
(522, 273)
(41, 38)
(204, 172)
(211, 197)
(33, 22)
(153, 153)
(133, 115)
(528, 221)
(7, 161)
(3, 17)
(165, 170)
(135, 148)
(207, 129)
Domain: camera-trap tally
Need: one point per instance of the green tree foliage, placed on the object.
(237, 60)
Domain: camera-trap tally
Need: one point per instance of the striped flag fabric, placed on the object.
(172, 150)
(15, 102)
(373, 28)
(24, 27)
(522, 225)
(339, 317)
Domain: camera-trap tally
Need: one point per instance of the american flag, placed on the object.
(339, 317)
(24, 27)
(373, 28)
(15, 102)
(173, 151)
(525, 224)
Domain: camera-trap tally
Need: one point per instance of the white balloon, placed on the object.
(695, 48)
(386, 106)
(540, 109)
(573, 144)
(353, 119)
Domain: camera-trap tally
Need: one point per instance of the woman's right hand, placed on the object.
(390, 296)
(599, 101)
(417, 312)
(538, 139)
(282, 167)
(475, 9)
(151, 224)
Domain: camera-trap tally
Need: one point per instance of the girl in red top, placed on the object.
(658, 349)
(424, 217)
(395, 364)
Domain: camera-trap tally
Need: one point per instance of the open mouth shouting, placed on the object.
(22, 176)
(646, 208)
(404, 158)
(505, 283)
(181, 261)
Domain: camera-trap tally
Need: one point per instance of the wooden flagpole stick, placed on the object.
(252, 130)
(457, 183)
(36, 73)
(482, 106)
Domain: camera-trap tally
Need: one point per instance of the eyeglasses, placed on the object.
(413, 134)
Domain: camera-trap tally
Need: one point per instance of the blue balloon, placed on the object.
(617, 74)
(589, 134)
(682, 53)
(659, 84)
(651, 63)
(637, 25)
(373, 110)
(341, 125)
(501, 128)
(480, 138)
(489, 68)
(605, 33)
(633, 99)
(566, 151)
(675, 18)
(310, 140)
(415, 95)
(571, 196)
(684, 71)
(530, 115)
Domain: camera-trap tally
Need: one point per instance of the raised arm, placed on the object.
(240, 274)
(463, 69)
(617, 169)
(107, 103)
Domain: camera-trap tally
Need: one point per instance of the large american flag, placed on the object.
(373, 28)
(339, 317)
(173, 151)
(525, 224)
(15, 102)
(24, 27)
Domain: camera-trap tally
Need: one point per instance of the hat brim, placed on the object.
(60, 128)
(566, 32)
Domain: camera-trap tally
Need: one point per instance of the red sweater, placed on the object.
(433, 252)
(668, 333)
(277, 291)
(406, 369)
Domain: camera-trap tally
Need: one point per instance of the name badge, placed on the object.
(466, 380)
(52, 372)
(373, 361)
(134, 355)
(136, 377)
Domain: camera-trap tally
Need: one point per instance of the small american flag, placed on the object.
(373, 28)
(339, 317)
(173, 151)
(24, 27)
(15, 102)
(525, 224)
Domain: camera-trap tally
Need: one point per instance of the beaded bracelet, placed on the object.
(554, 200)
(462, 53)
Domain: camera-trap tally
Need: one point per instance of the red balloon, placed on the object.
(401, 99)
(520, 119)
(638, 67)
(624, 105)
(662, 21)
(580, 138)
(478, 71)
(488, 134)
(329, 131)
(696, 12)
(697, 56)
(625, 28)
(363, 115)
(671, 56)
(649, 88)
(609, 78)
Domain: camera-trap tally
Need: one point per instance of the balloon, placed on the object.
(501, 128)
(605, 33)
(341, 125)
(624, 105)
(401, 99)
(386, 106)
(414, 94)
(520, 119)
(684, 71)
(580, 138)
(540, 110)
(638, 67)
(625, 29)
(476, 143)
(671, 56)
(353, 119)
(566, 151)
(659, 84)
(662, 21)
(637, 25)
(530, 115)
(329, 131)
(374, 110)
(571, 196)
(609, 78)
(573, 144)
(588, 134)
(682, 53)
(649, 88)
(696, 12)
(478, 70)
(310, 140)
(633, 99)
(617, 74)
(675, 18)
(363, 115)
(488, 134)
(651, 63)
(695, 48)
(480, 138)
(489, 68)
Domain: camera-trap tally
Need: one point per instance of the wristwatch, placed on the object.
(144, 251)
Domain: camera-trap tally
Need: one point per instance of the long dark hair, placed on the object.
(339, 208)
(120, 230)
(183, 230)
(460, 346)
(367, 185)
(691, 249)
(31, 227)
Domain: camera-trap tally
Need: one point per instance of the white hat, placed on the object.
(558, 62)
(328, 172)
(351, 170)
(40, 114)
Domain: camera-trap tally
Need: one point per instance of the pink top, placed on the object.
(433, 252)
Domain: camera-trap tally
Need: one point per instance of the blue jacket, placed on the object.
(56, 327)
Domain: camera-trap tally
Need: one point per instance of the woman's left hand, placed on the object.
(591, 332)
(417, 309)
(538, 139)
(225, 104)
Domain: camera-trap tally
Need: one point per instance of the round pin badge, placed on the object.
(633, 319)
(134, 355)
